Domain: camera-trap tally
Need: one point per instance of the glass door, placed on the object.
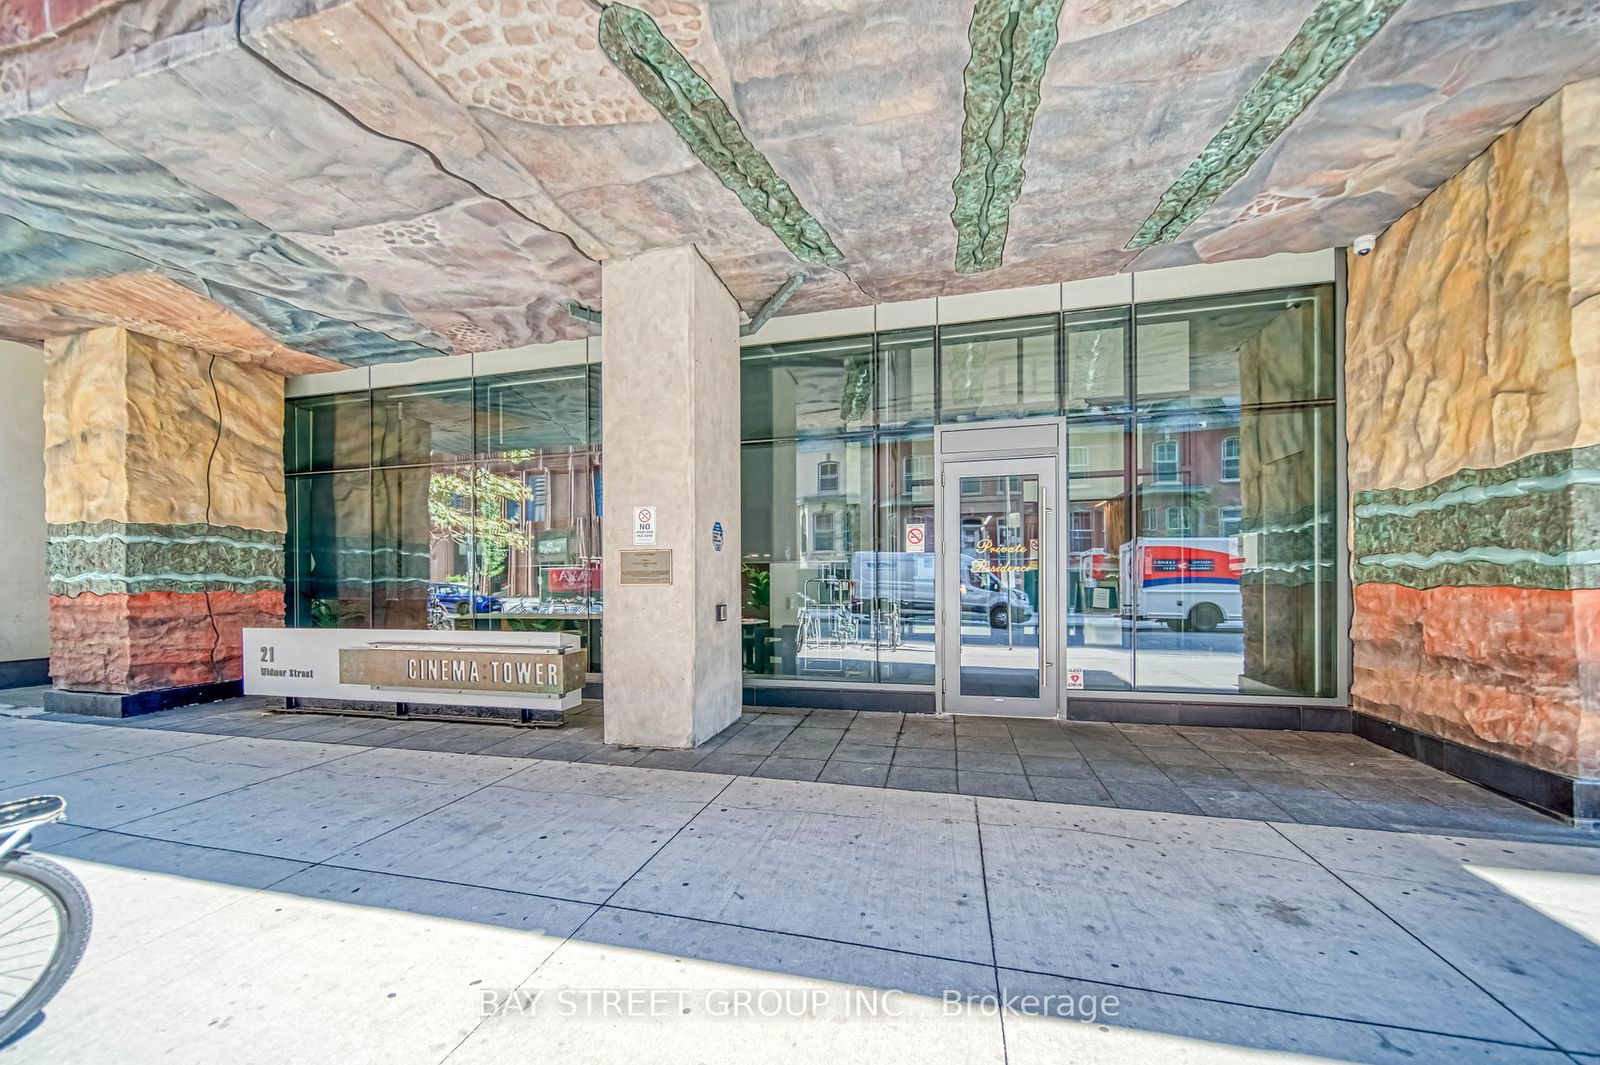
(997, 588)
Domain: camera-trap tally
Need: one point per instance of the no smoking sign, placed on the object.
(644, 526)
(916, 537)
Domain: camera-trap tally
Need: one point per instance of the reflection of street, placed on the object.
(1185, 661)
(1189, 661)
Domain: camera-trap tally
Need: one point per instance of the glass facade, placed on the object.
(466, 503)
(1197, 546)
(1199, 541)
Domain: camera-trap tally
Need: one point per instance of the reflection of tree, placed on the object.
(453, 516)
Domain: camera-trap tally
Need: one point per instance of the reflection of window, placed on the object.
(538, 495)
(827, 478)
(1077, 458)
(1165, 458)
(1080, 530)
(1178, 519)
(1148, 518)
(917, 472)
(1230, 518)
(822, 530)
(1230, 458)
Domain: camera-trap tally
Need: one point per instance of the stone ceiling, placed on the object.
(357, 181)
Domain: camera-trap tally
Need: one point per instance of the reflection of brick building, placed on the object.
(1189, 478)
(555, 519)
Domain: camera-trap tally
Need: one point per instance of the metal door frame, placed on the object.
(1038, 458)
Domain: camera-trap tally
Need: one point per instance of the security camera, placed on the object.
(1363, 245)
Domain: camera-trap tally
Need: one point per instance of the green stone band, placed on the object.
(1011, 44)
(1326, 42)
(1533, 523)
(692, 107)
(119, 558)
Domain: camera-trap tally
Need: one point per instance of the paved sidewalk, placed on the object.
(268, 900)
(1306, 777)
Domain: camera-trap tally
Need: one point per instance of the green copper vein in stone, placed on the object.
(1532, 523)
(693, 108)
(1011, 43)
(116, 558)
(1328, 39)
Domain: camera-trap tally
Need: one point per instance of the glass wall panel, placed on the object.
(1236, 551)
(906, 393)
(1098, 354)
(425, 423)
(328, 432)
(1098, 537)
(538, 490)
(808, 553)
(900, 589)
(542, 410)
(998, 369)
(822, 386)
(423, 545)
(1254, 347)
(330, 550)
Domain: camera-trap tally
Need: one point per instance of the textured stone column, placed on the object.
(671, 436)
(165, 502)
(1473, 398)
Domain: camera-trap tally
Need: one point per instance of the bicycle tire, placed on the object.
(72, 907)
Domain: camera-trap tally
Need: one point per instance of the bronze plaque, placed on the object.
(507, 670)
(647, 567)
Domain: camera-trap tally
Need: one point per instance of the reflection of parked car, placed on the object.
(457, 599)
(907, 578)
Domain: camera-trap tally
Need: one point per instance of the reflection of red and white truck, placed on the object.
(1189, 582)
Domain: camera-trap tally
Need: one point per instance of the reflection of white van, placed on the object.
(907, 577)
(1190, 582)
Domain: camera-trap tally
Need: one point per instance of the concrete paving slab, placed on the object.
(693, 992)
(52, 749)
(431, 767)
(926, 757)
(269, 977)
(567, 844)
(1067, 790)
(860, 774)
(1046, 1026)
(1432, 859)
(522, 912)
(1274, 933)
(309, 815)
(1002, 785)
(752, 794)
(629, 782)
(112, 795)
(143, 889)
(778, 767)
(916, 778)
(834, 876)
(853, 750)
(1542, 956)
(1169, 830)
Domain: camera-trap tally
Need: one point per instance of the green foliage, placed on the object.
(471, 509)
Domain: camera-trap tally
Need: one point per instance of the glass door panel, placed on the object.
(999, 572)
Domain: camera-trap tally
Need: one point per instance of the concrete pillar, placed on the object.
(671, 433)
(165, 503)
(24, 628)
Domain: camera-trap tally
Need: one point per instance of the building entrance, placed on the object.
(999, 578)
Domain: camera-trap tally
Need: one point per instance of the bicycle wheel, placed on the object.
(44, 927)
